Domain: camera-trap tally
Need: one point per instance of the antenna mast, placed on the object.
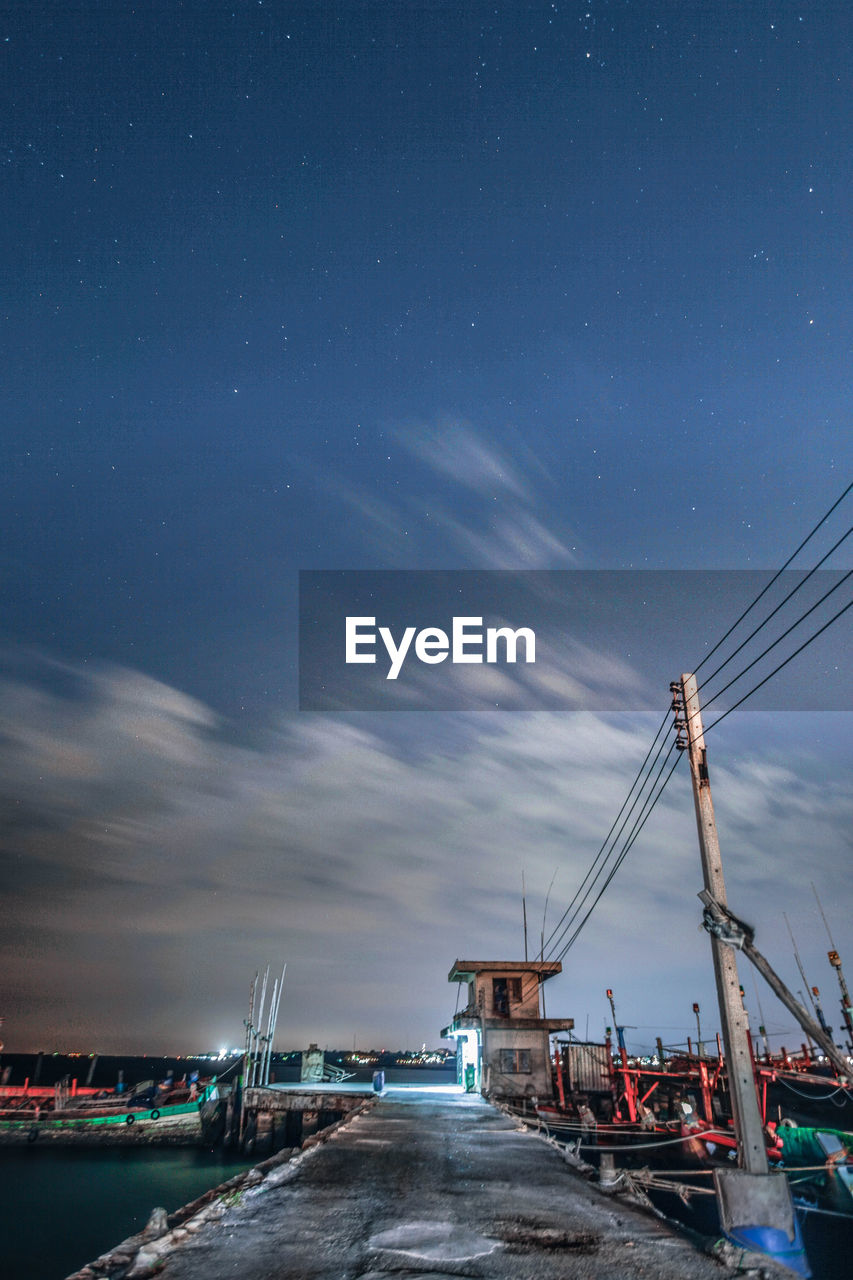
(835, 961)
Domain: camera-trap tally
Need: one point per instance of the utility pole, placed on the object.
(755, 1206)
(752, 1154)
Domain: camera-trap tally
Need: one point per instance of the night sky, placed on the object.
(401, 285)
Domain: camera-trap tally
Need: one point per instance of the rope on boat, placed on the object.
(639, 1181)
(651, 1146)
(826, 1097)
(649, 1181)
(826, 1213)
(709, 1173)
(579, 1127)
(625, 1146)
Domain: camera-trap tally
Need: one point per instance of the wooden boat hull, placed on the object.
(189, 1123)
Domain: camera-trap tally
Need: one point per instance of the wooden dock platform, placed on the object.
(424, 1182)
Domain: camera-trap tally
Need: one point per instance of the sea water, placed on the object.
(60, 1207)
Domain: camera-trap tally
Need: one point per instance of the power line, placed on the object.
(779, 639)
(605, 842)
(790, 658)
(638, 827)
(773, 613)
(776, 575)
(648, 804)
(559, 930)
(569, 917)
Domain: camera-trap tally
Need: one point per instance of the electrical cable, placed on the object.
(778, 640)
(773, 613)
(638, 826)
(639, 823)
(570, 916)
(790, 658)
(776, 575)
(606, 840)
(559, 931)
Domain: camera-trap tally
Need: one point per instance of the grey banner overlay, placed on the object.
(605, 640)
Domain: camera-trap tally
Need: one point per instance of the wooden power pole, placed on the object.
(755, 1205)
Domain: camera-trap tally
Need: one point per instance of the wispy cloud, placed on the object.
(475, 502)
(454, 449)
(161, 860)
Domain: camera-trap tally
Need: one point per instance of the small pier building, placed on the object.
(502, 1035)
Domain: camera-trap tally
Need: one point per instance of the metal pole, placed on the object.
(809, 991)
(273, 1018)
(630, 1092)
(524, 911)
(542, 936)
(275, 1021)
(835, 961)
(248, 1024)
(246, 1080)
(752, 1154)
(257, 1032)
(724, 926)
(247, 1056)
(268, 1038)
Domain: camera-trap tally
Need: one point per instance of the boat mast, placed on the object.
(809, 990)
(812, 992)
(762, 1025)
(835, 961)
(247, 1059)
(256, 1032)
(273, 1020)
(266, 1040)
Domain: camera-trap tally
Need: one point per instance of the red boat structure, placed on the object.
(674, 1112)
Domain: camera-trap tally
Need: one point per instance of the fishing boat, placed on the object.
(804, 1091)
(675, 1114)
(164, 1115)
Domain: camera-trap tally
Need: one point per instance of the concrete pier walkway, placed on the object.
(428, 1183)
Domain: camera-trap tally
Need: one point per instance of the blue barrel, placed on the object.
(378, 1081)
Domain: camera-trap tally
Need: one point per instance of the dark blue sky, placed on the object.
(376, 285)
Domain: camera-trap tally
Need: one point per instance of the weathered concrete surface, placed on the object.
(306, 1097)
(426, 1184)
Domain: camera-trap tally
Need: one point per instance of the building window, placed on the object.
(514, 1062)
(515, 990)
(500, 997)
